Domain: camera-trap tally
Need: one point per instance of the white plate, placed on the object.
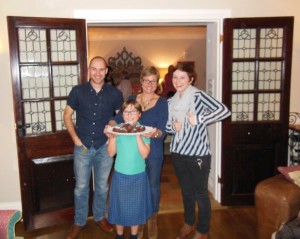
(147, 130)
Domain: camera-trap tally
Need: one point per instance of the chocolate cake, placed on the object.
(129, 128)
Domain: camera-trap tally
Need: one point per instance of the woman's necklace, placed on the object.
(145, 103)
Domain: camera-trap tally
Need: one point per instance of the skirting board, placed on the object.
(11, 206)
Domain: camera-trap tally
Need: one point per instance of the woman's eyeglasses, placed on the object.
(147, 82)
(133, 112)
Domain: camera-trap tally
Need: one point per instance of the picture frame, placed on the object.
(192, 63)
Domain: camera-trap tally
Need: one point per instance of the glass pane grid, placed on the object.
(271, 42)
(63, 45)
(64, 78)
(244, 43)
(59, 113)
(268, 107)
(242, 107)
(270, 75)
(35, 82)
(243, 74)
(37, 117)
(32, 45)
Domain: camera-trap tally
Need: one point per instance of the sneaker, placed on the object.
(186, 230)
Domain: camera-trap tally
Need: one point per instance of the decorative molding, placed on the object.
(149, 15)
(124, 61)
(126, 64)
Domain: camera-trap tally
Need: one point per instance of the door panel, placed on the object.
(48, 57)
(256, 87)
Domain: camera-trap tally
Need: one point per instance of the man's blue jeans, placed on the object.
(84, 161)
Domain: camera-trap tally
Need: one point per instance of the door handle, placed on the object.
(21, 126)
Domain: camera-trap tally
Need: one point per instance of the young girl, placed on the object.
(130, 196)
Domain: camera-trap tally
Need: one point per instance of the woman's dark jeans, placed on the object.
(192, 173)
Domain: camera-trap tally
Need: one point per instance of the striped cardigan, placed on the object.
(195, 141)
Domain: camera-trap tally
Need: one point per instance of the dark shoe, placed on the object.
(186, 230)
(198, 235)
(133, 236)
(119, 236)
(105, 226)
(74, 232)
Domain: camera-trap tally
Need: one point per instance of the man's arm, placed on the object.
(68, 112)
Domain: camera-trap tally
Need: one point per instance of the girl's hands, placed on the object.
(107, 130)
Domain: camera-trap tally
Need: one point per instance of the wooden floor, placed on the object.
(226, 222)
(230, 223)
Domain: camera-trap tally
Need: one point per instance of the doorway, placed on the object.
(213, 20)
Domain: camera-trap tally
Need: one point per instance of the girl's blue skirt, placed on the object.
(129, 199)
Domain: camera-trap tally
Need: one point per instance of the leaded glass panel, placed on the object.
(268, 107)
(244, 41)
(63, 45)
(59, 112)
(35, 82)
(243, 74)
(242, 107)
(59, 106)
(64, 78)
(38, 117)
(271, 42)
(270, 75)
(32, 45)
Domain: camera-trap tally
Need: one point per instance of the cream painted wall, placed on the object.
(9, 178)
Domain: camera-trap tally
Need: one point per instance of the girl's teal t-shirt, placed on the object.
(128, 159)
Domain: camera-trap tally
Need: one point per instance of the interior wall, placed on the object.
(157, 46)
(9, 174)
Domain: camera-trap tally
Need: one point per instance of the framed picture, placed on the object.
(192, 63)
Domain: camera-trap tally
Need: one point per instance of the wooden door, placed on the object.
(48, 57)
(257, 57)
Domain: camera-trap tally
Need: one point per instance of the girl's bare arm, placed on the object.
(144, 149)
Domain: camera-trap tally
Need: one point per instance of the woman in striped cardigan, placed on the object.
(190, 111)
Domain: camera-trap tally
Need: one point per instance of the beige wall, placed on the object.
(9, 178)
